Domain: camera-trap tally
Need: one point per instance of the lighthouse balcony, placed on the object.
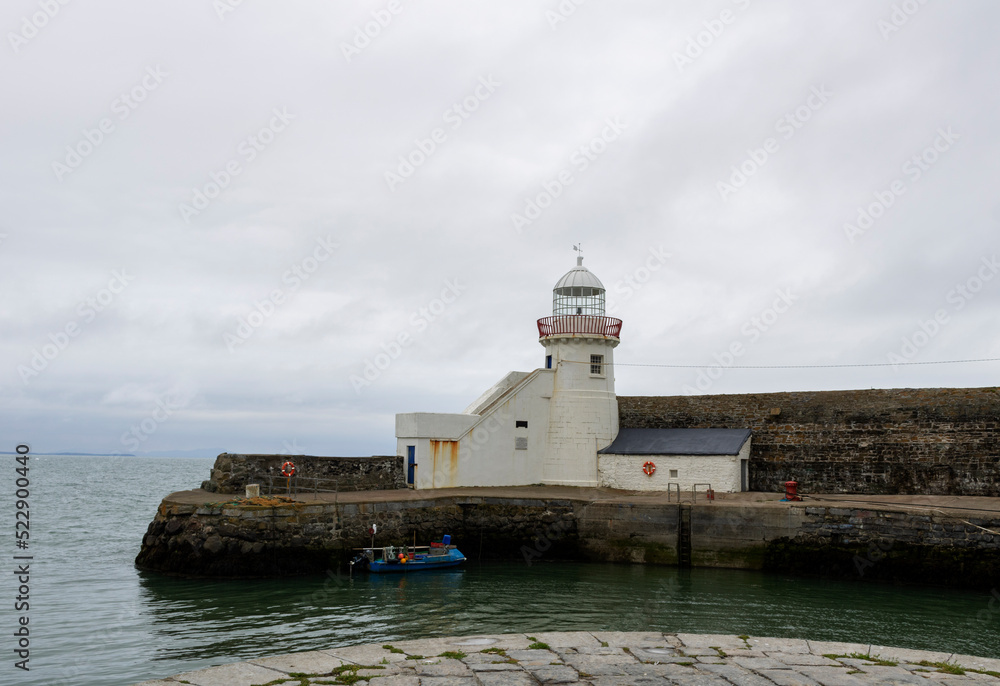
(569, 324)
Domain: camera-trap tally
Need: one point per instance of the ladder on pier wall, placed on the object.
(684, 535)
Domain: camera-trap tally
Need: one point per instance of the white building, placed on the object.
(688, 459)
(540, 427)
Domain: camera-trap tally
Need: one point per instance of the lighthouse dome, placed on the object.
(578, 292)
(579, 277)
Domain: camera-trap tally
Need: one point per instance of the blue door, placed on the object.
(411, 462)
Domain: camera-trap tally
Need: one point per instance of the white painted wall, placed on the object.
(479, 450)
(583, 414)
(494, 392)
(434, 424)
(625, 471)
(571, 414)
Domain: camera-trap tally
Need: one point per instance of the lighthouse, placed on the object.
(579, 342)
(558, 425)
(544, 426)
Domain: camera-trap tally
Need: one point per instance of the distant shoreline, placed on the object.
(186, 457)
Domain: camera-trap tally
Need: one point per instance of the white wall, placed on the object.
(434, 424)
(484, 453)
(583, 414)
(625, 471)
(495, 391)
(571, 414)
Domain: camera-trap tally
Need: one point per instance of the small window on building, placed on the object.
(673, 473)
(597, 364)
(520, 423)
(521, 443)
(548, 362)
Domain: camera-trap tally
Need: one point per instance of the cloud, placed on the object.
(322, 176)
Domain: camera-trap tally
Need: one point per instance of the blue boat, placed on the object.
(403, 559)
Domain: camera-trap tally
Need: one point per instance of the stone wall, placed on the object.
(935, 441)
(230, 540)
(232, 472)
(930, 546)
(888, 543)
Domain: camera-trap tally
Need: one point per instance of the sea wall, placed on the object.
(935, 441)
(233, 540)
(929, 546)
(232, 472)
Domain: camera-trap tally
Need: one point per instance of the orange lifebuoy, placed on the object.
(288, 469)
(649, 468)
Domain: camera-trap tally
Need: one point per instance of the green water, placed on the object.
(97, 621)
(254, 618)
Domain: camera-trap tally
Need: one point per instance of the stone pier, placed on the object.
(953, 541)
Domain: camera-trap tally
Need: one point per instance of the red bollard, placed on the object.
(791, 491)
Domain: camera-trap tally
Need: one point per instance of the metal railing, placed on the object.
(579, 323)
(710, 494)
(283, 485)
(675, 486)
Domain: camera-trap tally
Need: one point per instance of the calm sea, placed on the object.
(96, 620)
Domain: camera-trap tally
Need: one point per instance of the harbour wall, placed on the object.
(930, 441)
(232, 472)
(233, 540)
(929, 546)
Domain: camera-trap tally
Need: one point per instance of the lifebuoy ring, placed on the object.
(288, 469)
(649, 468)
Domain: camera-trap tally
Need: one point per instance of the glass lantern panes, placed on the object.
(578, 300)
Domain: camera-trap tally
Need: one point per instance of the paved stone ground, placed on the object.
(581, 658)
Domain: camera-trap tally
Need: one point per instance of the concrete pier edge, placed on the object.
(602, 658)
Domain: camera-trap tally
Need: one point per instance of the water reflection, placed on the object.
(197, 619)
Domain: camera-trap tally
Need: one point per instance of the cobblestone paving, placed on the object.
(581, 658)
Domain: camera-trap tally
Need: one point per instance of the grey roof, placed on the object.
(678, 442)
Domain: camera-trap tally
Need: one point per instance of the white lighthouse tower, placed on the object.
(579, 342)
(544, 426)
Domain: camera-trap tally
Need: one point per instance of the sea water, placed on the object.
(95, 620)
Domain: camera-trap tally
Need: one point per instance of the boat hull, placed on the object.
(451, 559)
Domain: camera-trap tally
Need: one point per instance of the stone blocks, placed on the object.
(936, 441)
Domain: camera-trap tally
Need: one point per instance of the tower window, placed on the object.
(520, 423)
(521, 443)
(597, 364)
(548, 362)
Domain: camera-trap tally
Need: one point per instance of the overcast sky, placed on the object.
(269, 227)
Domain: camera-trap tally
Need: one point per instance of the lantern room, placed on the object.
(578, 292)
(578, 307)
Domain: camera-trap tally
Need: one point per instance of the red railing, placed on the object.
(579, 323)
